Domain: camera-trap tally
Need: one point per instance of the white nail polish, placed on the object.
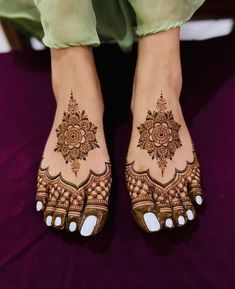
(88, 226)
(181, 220)
(38, 206)
(151, 222)
(169, 223)
(199, 200)
(49, 220)
(72, 226)
(58, 221)
(190, 215)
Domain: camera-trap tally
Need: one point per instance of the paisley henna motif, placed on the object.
(159, 134)
(76, 135)
(176, 195)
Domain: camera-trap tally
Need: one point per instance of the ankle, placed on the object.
(146, 92)
(73, 69)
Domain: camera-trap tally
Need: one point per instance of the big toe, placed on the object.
(147, 219)
(92, 221)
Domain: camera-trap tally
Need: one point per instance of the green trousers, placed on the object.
(64, 23)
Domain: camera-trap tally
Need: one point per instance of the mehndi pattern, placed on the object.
(159, 134)
(67, 199)
(176, 195)
(76, 135)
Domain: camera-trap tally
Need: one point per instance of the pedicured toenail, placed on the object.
(199, 200)
(38, 206)
(181, 220)
(190, 215)
(58, 221)
(49, 220)
(169, 223)
(88, 226)
(72, 226)
(151, 222)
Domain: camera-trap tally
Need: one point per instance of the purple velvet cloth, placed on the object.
(199, 256)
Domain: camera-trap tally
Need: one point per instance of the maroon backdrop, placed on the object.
(199, 256)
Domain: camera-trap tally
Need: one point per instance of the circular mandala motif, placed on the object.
(73, 136)
(76, 135)
(159, 134)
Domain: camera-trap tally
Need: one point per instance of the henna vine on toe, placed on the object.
(76, 135)
(159, 134)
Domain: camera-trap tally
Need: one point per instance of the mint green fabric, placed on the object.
(61, 23)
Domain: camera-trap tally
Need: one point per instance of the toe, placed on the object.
(95, 213)
(179, 213)
(73, 219)
(42, 193)
(88, 225)
(144, 210)
(152, 222)
(51, 204)
(146, 216)
(163, 208)
(190, 214)
(179, 216)
(60, 213)
(169, 223)
(195, 192)
(194, 186)
(92, 220)
(186, 202)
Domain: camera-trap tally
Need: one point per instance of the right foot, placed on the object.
(74, 178)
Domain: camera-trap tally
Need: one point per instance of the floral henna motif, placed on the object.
(144, 189)
(159, 134)
(76, 135)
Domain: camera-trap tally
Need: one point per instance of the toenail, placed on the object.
(190, 215)
(199, 200)
(49, 220)
(72, 226)
(151, 222)
(169, 223)
(58, 221)
(88, 226)
(38, 206)
(181, 220)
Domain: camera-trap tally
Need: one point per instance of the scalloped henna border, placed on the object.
(91, 174)
(177, 171)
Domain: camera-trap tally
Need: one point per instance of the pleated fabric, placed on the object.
(67, 23)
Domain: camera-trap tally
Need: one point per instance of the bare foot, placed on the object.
(74, 177)
(162, 171)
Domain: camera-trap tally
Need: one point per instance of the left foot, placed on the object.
(162, 171)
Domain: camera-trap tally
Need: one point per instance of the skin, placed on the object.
(74, 69)
(158, 69)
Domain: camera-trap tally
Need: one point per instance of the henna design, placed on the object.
(76, 136)
(144, 189)
(159, 134)
(63, 194)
